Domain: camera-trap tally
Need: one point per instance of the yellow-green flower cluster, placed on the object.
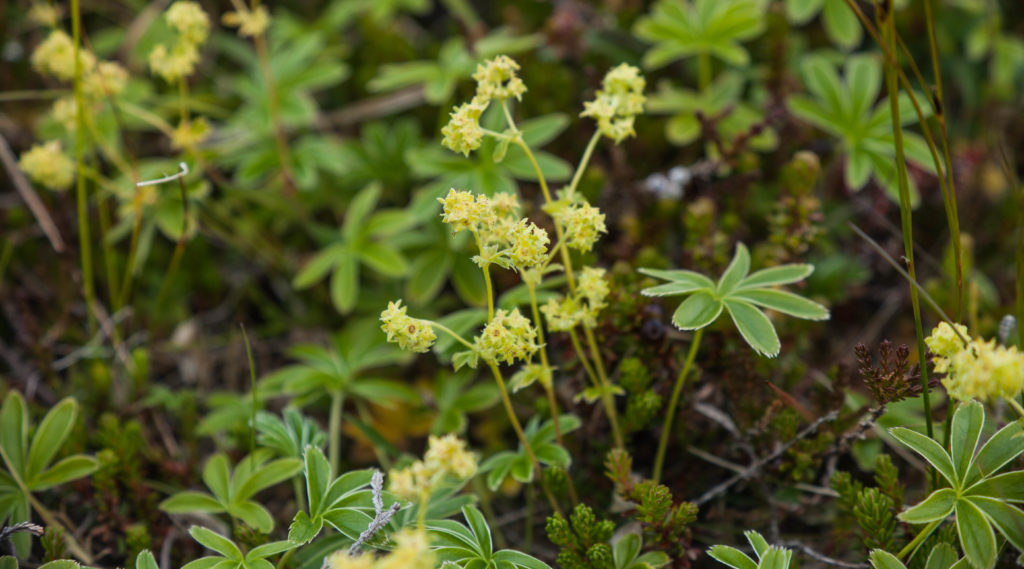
(193, 25)
(528, 245)
(618, 102)
(44, 14)
(55, 56)
(593, 287)
(980, 370)
(445, 456)
(497, 79)
(591, 292)
(412, 551)
(47, 164)
(189, 133)
(583, 224)
(508, 337)
(562, 314)
(463, 133)
(250, 23)
(463, 210)
(409, 333)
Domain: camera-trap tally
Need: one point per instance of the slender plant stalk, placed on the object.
(548, 387)
(583, 360)
(606, 395)
(507, 402)
(81, 195)
(274, 104)
(703, 70)
(334, 428)
(179, 248)
(670, 413)
(905, 218)
(918, 540)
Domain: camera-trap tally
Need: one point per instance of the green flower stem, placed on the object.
(583, 357)
(703, 70)
(286, 558)
(1016, 406)
(334, 429)
(47, 516)
(522, 436)
(918, 539)
(451, 333)
(907, 223)
(659, 459)
(606, 396)
(584, 160)
(421, 513)
(274, 105)
(548, 388)
(80, 191)
(300, 492)
(487, 279)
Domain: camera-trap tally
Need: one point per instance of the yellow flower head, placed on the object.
(250, 23)
(528, 244)
(47, 164)
(63, 111)
(412, 552)
(449, 454)
(342, 560)
(107, 79)
(616, 105)
(462, 210)
(944, 342)
(593, 286)
(505, 203)
(175, 64)
(562, 315)
(507, 337)
(497, 79)
(463, 133)
(984, 371)
(190, 133)
(583, 225)
(44, 14)
(189, 20)
(56, 57)
(409, 333)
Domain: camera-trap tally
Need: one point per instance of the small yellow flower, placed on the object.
(562, 315)
(944, 342)
(462, 210)
(56, 57)
(189, 20)
(529, 245)
(190, 134)
(175, 64)
(593, 286)
(412, 552)
(250, 23)
(409, 333)
(47, 164)
(616, 105)
(583, 224)
(63, 111)
(449, 454)
(463, 133)
(507, 337)
(342, 560)
(497, 79)
(107, 79)
(504, 203)
(44, 14)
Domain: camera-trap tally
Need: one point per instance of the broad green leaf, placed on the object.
(697, 311)
(998, 451)
(359, 210)
(755, 327)
(775, 558)
(268, 549)
(14, 431)
(427, 275)
(388, 222)
(929, 449)
(757, 542)
(936, 506)
(541, 130)
(822, 80)
(384, 259)
(653, 559)
(66, 470)
(977, 539)
(737, 270)
(217, 477)
(318, 476)
(858, 169)
(190, 501)
(522, 469)
(50, 435)
(968, 421)
(780, 275)
(318, 267)
(784, 302)
(1008, 487)
(881, 559)
(216, 542)
(864, 79)
(800, 12)
(841, 25)
(626, 550)
(519, 559)
(680, 276)
(481, 530)
(145, 560)
(1009, 520)
(345, 284)
(348, 521)
(267, 476)
(732, 557)
(253, 514)
(943, 556)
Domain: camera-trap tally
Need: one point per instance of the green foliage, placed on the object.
(27, 463)
(626, 554)
(981, 499)
(456, 395)
(739, 293)
(290, 435)
(230, 555)
(841, 24)
(541, 437)
(344, 503)
(232, 492)
(471, 545)
(768, 557)
(642, 402)
(582, 539)
(847, 109)
(701, 27)
(362, 240)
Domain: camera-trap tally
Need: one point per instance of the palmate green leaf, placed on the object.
(841, 25)
(345, 284)
(66, 470)
(998, 451)
(754, 326)
(317, 268)
(1009, 520)
(1008, 487)
(679, 276)
(14, 431)
(481, 531)
(253, 514)
(697, 311)
(716, 27)
(265, 477)
(384, 259)
(512, 559)
(732, 557)
(737, 270)
(968, 420)
(772, 276)
(216, 542)
(936, 506)
(881, 559)
(50, 436)
(930, 450)
(784, 302)
(217, 477)
(977, 539)
(757, 542)
(190, 501)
